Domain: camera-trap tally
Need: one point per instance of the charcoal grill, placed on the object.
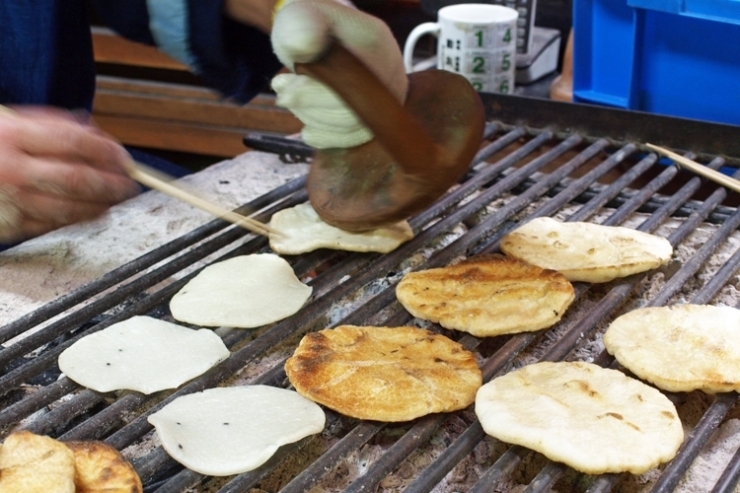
(538, 158)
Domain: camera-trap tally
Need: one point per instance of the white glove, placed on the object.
(301, 33)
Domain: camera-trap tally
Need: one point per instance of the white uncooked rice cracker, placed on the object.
(246, 291)
(231, 430)
(593, 419)
(680, 348)
(301, 230)
(143, 354)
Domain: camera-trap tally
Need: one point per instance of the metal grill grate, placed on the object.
(519, 173)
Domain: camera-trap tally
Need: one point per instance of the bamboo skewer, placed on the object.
(709, 173)
(147, 177)
(139, 173)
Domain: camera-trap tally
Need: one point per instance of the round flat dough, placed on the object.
(680, 348)
(31, 463)
(384, 373)
(487, 295)
(245, 292)
(225, 431)
(100, 468)
(593, 419)
(302, 230)
(585, 251)
(143, 354)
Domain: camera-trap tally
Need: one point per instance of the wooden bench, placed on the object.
(171, 116)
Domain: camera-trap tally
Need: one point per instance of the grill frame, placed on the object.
(83, 414)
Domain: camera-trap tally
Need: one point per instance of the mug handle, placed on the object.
(419, 31)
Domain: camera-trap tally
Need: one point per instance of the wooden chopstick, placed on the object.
(149, 178)
(709, 173)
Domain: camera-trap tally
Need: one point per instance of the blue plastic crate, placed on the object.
(673, 57)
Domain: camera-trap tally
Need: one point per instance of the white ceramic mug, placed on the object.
(477, 41)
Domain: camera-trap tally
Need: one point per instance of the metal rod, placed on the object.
(513, 177)
(546, 478)
(87, 291)
(693, 444)
(730, 477)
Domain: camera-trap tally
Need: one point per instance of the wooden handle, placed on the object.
(392, 125)
(142, 175)
(709, 173)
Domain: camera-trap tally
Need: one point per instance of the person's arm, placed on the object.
(55, 171)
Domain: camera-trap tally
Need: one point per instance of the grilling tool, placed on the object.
(157, 181)
(419, 150)
(151, 179)
(697, 168)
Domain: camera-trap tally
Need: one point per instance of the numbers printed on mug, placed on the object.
(477, 63)
(505, 34)
(477, 41)
(485, 55)
(485, 38)
(480, 84)
(479, 37)
(502, 84)
(504, 62)
(481, 63)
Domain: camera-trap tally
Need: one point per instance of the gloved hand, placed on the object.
(54, 171)
(302, 31)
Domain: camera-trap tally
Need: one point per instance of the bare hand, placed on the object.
(55, 171)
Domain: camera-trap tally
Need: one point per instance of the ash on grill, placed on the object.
(519, 173)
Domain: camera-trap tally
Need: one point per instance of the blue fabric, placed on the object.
(169, 21)
(232, 58)
(46, 51)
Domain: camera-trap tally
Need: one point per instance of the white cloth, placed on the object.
(301, 32)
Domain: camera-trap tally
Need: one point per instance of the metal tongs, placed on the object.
(709, 173)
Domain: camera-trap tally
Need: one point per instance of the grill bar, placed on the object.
(187, 479)
(467, 441)
(551, 474)
(714, 414)
(696, 440)
(137, 428)
(115, 276)
(357, 437)
(392, 457)
(507, 183)
(719, 279)
(13, 378)
(547, 478)
(696, 261)
(609, 193)
(730, 477)
(536, 143)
